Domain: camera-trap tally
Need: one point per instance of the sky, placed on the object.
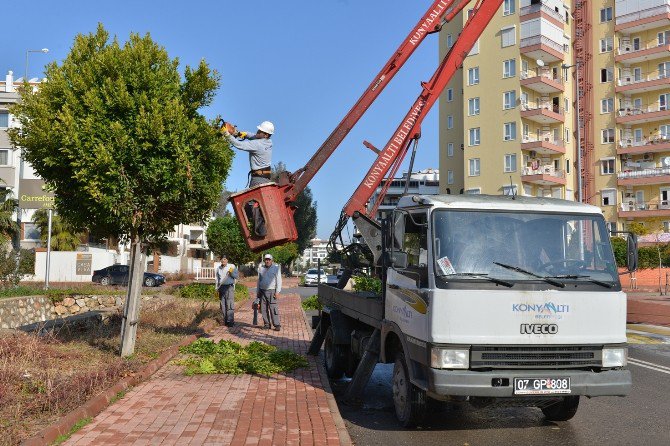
(300, 64)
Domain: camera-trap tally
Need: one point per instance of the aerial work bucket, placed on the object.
(264, 216)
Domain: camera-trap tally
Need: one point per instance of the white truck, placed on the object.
(486, 299)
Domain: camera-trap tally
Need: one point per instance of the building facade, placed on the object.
(423, 182)
(508, 119)
(318, 250)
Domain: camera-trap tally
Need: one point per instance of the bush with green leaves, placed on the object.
(208, 357)
(371, 284)
(206, 291)
(312, 303)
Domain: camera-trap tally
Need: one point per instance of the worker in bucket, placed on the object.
(259, 148)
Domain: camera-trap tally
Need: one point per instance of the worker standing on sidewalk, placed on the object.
(260, 152)
(226, 274)
(268, 288)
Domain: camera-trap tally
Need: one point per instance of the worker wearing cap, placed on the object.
(260, 152)
(269, 286)
(226, 274)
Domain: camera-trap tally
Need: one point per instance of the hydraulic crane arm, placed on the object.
(440, 12)
(275, 200)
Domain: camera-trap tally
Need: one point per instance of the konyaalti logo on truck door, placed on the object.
(547, 310)
(411, 301)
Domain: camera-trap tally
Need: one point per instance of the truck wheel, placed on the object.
(563, 410)
(335, 357)
(409, 401)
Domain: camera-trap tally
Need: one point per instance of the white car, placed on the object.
(312, 276)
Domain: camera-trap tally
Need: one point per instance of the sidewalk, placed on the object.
(648, 308)
(293, 409)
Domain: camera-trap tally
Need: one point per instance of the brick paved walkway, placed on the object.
(170, 408)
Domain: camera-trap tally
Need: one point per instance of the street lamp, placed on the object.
(579, 139)
(43, 50)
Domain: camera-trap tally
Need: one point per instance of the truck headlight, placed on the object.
(615, 357)
(448, 358)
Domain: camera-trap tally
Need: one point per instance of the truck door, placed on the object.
(405, 300)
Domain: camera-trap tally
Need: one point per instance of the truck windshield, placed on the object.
(523, 246)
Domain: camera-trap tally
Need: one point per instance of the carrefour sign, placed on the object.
(32, 195)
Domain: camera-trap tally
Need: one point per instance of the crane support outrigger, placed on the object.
(275, 200)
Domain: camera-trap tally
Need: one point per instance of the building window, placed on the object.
(473, 106)
(664, 101)
(450, 94)
(606, 44)
(450, 177)
(450, 41)
(475, 191)
(608, 136)
(30, 231)
(510, 162)
(509, 68)
(607, 166)
(473, 76)
(509, 131)
(607, 105)
(510, 190)
(663, 38)
(450, 149)
(666, 226)
(567, 135)
(509, 7)
(606, 75)
(608, 197)
(450, 122)
(474, 167)
(4, 120)
(4, 157)
(509, 99)
(474, 137)
(606, 15)
(567, 166)
(508, 36)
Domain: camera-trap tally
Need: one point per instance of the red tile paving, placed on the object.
(285, 409)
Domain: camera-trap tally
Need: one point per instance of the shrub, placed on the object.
(311, 303)
(619, 246)
(372, 284)
(206, 291)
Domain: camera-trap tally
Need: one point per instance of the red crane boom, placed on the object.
(275, 200)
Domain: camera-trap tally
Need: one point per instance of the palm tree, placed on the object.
(63, 235)
(8, 227)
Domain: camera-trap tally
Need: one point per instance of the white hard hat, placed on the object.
(267, 127)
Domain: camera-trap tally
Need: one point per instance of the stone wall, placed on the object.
(19, 311)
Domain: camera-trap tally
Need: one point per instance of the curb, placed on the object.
(98, 403)
(345, 439)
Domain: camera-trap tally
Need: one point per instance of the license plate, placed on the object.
(541, 386)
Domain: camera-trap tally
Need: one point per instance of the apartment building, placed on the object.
(423, 182)
(508, 121)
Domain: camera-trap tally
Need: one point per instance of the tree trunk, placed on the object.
(131, 310)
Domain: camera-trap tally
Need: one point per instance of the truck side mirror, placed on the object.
(399, 259)
(631, 252)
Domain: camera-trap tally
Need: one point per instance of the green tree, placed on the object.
(305, 214)
(8, 227)
(63, 235)
(224, 236)
(117, 135)
(284, 255)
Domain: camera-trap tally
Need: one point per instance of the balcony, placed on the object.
(646, 19)
(632, 209)
(656, 175)
(655, 144)
(546, 145)
(543, 11)
(632, 115)
(543, 175)
(541, 81)
(546, 113)
(542, 47)
(652, 51)
(641, 82)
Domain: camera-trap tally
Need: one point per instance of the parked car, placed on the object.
(118, 275)
(311, 277)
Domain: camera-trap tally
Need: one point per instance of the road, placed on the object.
(639, 419)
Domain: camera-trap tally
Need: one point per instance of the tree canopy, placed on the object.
(116, 134)
(63, 236)
(224, 236)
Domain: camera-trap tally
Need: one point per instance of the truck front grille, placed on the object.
(525, 357)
